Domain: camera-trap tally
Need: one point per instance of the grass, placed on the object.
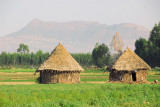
(96, 75)
(12, 70)
(153, 76)
(80, 95)
(18, 77)
(93, 71)
(153, 79)
(99, 79)
(76, 95)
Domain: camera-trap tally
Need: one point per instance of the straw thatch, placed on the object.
(60, 67)
(60, 60)
(129, 61)
(129, 67)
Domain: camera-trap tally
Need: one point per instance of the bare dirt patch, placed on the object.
(17, 83)
(99, 82)
(91, 73)
(18, 73)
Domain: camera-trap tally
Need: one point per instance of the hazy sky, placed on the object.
(15, 14)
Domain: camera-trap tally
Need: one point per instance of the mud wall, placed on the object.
(141, 75)
(59, 77)
(126, 76)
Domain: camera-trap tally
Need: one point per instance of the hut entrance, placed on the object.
(134, 76)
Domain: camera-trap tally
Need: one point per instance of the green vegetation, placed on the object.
(84, 59)
(154, 75)
(80, 95)
(25, 60)
(149, 50)
(23, 48)
(101, 55)
(33, 60)
(94, 79)
(75, 95)
(93, 71)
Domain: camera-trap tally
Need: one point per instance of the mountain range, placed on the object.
(76, 36)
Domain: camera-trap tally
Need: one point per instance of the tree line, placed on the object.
(35, 59)
(149, 50)
(84, 59)
(22, 58)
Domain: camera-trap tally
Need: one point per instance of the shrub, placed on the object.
(157, 68)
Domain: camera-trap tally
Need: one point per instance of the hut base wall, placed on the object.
(115, 76)
(51, 77)
(141, 76)
(126, 76)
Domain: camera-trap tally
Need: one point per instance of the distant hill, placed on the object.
(76, 36)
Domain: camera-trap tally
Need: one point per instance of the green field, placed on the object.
(80, 95)
(76, 95)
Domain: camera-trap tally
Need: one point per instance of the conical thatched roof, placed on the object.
(129, 61)
(60, 60)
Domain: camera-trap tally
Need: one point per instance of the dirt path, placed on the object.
(17, 83)
(99, 82)
(17, 73)
(94, 73)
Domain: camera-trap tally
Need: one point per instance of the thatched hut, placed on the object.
(60, 67)
(129, 67)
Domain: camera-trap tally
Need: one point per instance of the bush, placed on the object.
(157, 68)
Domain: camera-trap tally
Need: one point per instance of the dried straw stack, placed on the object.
(60, 60)
(129, 61)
